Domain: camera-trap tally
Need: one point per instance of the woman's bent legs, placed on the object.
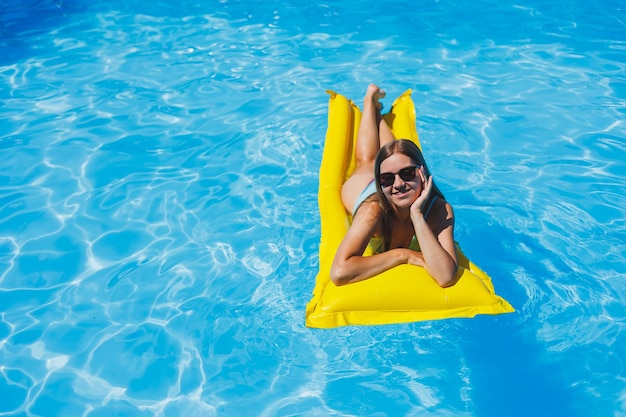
(372, 134)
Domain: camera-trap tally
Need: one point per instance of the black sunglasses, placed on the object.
(407, 174)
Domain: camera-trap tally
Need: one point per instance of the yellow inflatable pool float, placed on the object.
(405, 293)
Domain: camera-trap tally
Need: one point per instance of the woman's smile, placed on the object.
(402, 192)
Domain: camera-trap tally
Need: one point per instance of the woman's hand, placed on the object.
(414, 257)
(427, 187)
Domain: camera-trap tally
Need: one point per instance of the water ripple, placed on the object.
(159, 231)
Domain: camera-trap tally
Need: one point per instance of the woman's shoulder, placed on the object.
(370, 212)
(369, 208)
(442, 204)
(441, 213)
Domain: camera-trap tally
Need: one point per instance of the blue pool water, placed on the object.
(158, 196)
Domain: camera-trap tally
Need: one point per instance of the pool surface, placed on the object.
(159, 226)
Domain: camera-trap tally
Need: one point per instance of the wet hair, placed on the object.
(410, 149)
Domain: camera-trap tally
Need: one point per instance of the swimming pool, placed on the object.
(158, 190)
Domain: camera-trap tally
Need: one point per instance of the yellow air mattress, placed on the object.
(405, 293)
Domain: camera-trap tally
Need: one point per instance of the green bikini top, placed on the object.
(377, 244)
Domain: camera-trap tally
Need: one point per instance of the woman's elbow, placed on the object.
(448, 278)
(445, 283)
(338, 275)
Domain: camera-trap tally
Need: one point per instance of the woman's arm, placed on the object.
(436, 239)
(350, 265)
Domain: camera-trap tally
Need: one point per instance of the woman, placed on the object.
(396, 207)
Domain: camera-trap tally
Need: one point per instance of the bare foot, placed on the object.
(374, 93)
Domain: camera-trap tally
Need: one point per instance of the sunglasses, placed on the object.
(406, 174)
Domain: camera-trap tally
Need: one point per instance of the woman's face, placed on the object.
(407, 183)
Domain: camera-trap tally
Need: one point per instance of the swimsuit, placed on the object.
(378, 246)
(368, 191)
(376, 243)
